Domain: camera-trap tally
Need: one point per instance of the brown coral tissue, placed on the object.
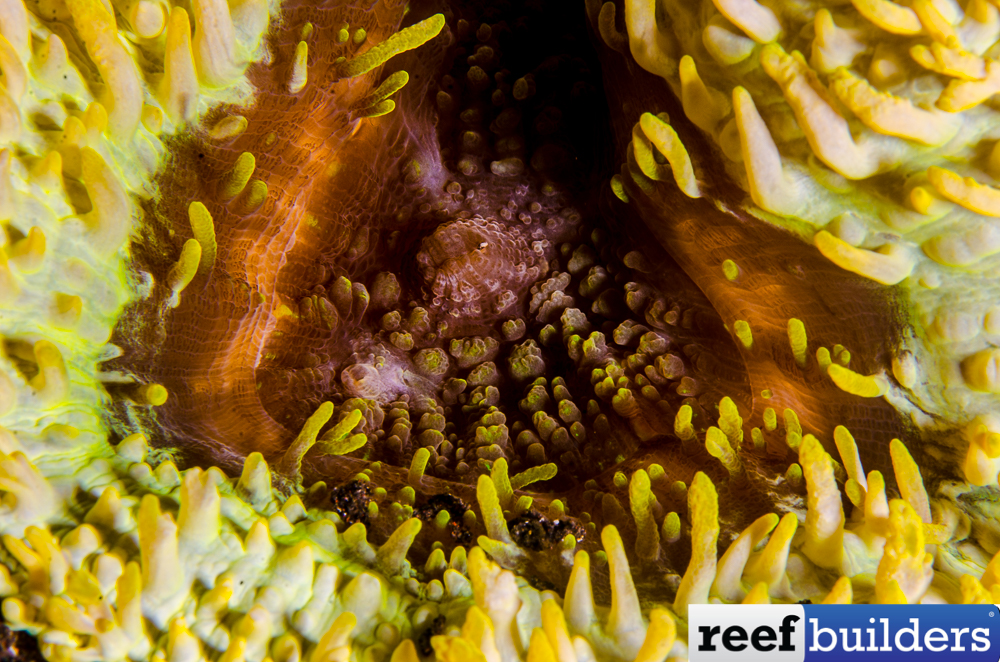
(457, 277)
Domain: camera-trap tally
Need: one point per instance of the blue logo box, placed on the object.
(794, 633)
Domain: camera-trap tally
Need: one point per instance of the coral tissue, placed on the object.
(496, 331)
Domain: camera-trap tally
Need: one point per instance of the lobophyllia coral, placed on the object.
(492, 330)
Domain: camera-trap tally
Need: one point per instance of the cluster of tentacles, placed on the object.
(405, 331)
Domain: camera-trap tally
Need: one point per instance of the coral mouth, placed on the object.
(448, 278)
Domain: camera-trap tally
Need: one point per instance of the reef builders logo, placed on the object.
(794, 633)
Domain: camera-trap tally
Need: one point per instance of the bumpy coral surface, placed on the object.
(489, 331)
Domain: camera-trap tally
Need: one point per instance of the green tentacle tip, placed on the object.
(254, 196)
(379, 109)
(618, 188)
(794, 476)
(417, 466)
(203, 229)
(501, 482)
(770, 419)
(797, 339)
(394, 83)
(671, 527)
(533, 475)
(641, 499)
(407, 39)
(237, 178)
(742, 330)
(441, 520)
(730, 270)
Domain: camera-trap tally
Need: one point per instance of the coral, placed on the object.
(327, 334)
(877, 152)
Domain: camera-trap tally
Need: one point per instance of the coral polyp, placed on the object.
(489, 331)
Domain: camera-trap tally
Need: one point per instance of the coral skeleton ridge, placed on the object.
(326, 335)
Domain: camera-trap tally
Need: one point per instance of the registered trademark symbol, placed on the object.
(991, 613)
